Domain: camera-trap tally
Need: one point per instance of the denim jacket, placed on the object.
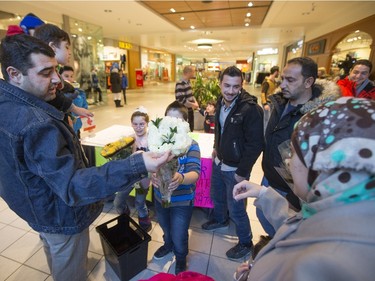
(43, 175)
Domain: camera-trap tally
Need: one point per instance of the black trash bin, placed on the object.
(125, 246)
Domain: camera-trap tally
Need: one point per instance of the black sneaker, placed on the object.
(239, 251)
(180, 266)
(161, 252)
(214, 225)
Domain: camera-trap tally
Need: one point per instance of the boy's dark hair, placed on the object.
(51, 33)
(16, 51)
(231, 71)
(66, 68)
(274, 69)
(176, 105)
(363, 62)
(211, 102)
(309, 67)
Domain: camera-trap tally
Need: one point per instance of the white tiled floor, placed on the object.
(21, 253)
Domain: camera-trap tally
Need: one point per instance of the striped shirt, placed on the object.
(185, 193)
(183, 91)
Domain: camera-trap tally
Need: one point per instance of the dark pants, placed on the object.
(99, 92)
(124, 93)
(191, 118)
(175, 221)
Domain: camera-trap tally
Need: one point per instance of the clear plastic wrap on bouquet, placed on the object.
(165, 175)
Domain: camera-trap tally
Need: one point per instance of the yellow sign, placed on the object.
(125, 45)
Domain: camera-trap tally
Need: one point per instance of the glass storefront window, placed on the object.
(156, 65)
(87, 43)
(354, 46)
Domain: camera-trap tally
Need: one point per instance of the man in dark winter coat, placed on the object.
(299, 94)
(238, 144)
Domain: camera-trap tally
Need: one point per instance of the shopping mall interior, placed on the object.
(155, 44)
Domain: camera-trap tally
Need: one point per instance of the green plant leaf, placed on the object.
(157, 122)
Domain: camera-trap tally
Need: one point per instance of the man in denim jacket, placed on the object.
(43, 175)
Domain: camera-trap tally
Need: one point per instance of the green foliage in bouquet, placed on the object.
(168, 138)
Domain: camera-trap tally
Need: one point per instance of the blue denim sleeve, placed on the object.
(53, 161)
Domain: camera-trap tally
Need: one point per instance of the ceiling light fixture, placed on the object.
(172, 10)
(192, 26)
(248, 15)
(250, 4)
(204, 46)
(182, 18)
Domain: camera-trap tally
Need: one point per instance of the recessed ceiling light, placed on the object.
(204, 46)
(172, 10)
(80, 29)
(248, 15)
(250, 4)
(182, 18)
(192, 26)
(247, 24)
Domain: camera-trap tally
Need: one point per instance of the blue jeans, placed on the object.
(140, 202)
(222, 184)
(268, 228)
(175, 222)
(67, 255)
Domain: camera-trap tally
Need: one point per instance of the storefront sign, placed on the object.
(125, 45)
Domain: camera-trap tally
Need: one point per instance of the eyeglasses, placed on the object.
(140, 125)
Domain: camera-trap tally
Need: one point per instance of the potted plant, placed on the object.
(204, 90)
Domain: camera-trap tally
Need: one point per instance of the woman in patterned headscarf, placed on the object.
(333, 170)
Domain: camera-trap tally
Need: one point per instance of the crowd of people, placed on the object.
(317, 136)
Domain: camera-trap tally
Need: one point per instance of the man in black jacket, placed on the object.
(299, 94)
(238, 144)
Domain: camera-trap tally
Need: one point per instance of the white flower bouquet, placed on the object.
(164, 134)
(169, 133)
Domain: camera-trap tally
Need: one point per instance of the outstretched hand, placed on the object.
(153, 160)
(246, 189)
(80, 111)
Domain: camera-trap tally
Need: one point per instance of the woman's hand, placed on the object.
(242, 272)
(246, 189)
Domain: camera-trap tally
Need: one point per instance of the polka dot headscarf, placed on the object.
(336, 142)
